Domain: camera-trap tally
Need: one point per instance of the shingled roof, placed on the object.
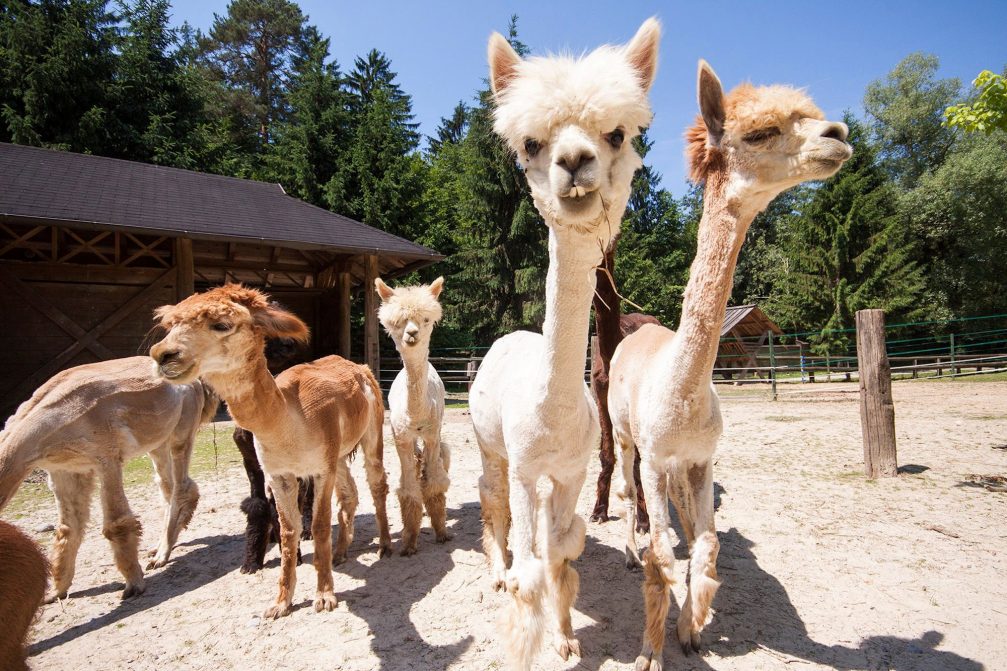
(43, 186)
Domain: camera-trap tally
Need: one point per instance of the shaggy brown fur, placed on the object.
(23, 576)
(307, 421)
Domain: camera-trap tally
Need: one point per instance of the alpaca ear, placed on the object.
(711, 102)
(275, 322)
(641, 52)
(503, 62)
(436, 286)
(385, 291)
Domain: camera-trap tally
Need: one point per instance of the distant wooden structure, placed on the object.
(744, 334)
(89, 246)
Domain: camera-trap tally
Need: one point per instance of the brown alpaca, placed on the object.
(307, 421)
(611, 327)
(746, 148)
(23, 575)
(92, 419)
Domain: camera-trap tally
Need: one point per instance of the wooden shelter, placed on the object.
(745, 332)
(89, 246)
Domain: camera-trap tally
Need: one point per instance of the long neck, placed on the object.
(253, 399)
(414, 365)
(721, 234)
(569, 290)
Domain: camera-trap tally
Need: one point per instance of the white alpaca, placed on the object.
(747, 147)
(570, 122)
(416, 404)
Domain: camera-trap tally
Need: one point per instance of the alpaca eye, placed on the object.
(616, 137)
(761, 135)
(532, 147)
(222, 327)
(426, 321)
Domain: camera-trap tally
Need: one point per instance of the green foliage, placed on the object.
(987, 112)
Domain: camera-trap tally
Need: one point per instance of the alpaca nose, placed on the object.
(836, 131)
(573, 161)
(412, 332)
(163, 358)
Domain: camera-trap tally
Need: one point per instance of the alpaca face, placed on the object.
(409, 314)
(570, 123)
(219, 332)
(772, 137)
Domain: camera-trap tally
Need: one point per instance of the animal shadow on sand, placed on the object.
(214, 557)
(394, 637)
(753, 615)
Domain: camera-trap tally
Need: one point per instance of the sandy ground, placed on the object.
(821, 569)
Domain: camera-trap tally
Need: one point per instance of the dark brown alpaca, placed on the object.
(263, 524)
(611, 327)
(24, 572)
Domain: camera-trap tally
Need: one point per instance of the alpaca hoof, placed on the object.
(338, 558)
(632, 560)
(156, 563)
(306, 535)
(152, 552)
(251, 567)
(642, 526)
(384, 551)
(53, 597)
(326, 601)
(567, 646)
(408, 550)
(276, 611)
(444, 537)
(647, 663)
(133, 590)
(499, 585)
(599, 516)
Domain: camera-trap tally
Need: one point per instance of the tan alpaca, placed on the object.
(570, 122)
(90, 420)
(747, 147)
(306, 422)
(416, 403)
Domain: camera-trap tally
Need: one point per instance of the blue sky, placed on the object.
(834, 49)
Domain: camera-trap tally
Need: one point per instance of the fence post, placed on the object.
(877, 409)
(953, 369)
(772, 364)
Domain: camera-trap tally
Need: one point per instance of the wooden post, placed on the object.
(877, 409)
(185, 283)
(343, 285)
(954, 369)
(772, 364)
(372, 353)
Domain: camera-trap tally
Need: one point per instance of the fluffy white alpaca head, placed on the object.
(409, 313)
(570, 121)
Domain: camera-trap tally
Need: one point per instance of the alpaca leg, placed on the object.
(606, 452)
(325, 598)
(306, 503)
(377, 481)
(565, 542)
(161, 460)
(121, 527)
(258, 509)
(73, 503)
(493, 499)
(526, 578)
(410, 495)
(678, 492)
(435, 483)
(703, 581)
(284, 490)
(656, 566)
(182, 502)
(642, 518)
(627, 453)
(346, 493)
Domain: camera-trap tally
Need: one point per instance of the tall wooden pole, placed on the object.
(185, 284)
(372, 355)
(343, 285)
(877, 409)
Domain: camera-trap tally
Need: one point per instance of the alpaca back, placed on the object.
(23, 575)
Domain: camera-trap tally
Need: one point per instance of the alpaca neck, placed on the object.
(726, 217)
(415, 367)
(569, 290)
(253, 399)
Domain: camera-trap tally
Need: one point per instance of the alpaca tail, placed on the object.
(525, 624)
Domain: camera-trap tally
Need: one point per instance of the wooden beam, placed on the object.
(877, 408)
(185, 285)
(344, 284)
(372, 353)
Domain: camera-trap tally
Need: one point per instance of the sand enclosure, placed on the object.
(821, 569)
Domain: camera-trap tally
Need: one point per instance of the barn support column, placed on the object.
(343, 285)
(372, 355)
(185, 285)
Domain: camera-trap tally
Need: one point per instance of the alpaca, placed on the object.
(416, 403)
(263, 524)
(747, 147)
(570, 122)
(92, 419)
(23, 575)
(307, 421)
(611, 327)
